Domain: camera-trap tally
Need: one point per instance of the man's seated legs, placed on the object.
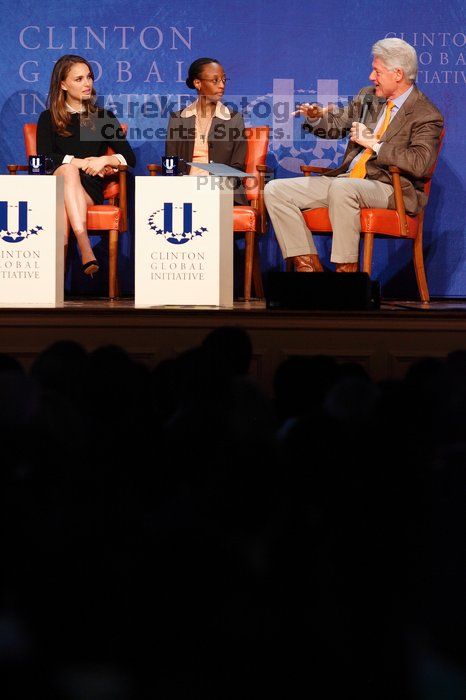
(285, 199)
(346, 197)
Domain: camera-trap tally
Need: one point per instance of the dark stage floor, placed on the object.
(385, 342)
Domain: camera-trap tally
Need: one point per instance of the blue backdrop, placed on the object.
(274, 53)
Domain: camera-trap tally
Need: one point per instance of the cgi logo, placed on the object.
(170, 165)
(20, 212)
(35, 164)
(161, 222)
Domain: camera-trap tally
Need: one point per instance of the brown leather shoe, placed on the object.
(347, 267)
(307, 263)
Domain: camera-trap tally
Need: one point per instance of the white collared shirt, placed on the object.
(221, 111)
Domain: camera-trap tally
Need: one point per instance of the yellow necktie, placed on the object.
(359, 169)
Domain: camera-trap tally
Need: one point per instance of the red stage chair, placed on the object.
(250, 219)
(382, 222)
(111, 217)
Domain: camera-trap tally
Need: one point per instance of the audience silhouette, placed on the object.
(176, 533)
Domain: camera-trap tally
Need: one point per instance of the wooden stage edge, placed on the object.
(386, 342)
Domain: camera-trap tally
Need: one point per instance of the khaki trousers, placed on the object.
(344, 197)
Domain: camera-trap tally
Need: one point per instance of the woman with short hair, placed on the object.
(207, 130)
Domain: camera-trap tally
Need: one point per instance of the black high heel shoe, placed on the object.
(90, 268)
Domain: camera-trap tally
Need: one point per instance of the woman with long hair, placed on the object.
(75, 134)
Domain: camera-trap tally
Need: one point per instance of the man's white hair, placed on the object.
(396, 53)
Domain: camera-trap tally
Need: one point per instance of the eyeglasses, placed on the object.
(215, 81)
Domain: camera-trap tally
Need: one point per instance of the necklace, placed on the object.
(203, 126)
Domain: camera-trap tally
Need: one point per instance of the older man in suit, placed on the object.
(402, 128)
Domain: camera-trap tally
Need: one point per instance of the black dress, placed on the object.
(89, 137)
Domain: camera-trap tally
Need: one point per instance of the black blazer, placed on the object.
(226, 140)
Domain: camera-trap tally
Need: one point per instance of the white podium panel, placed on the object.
(32, 225)
(184, 241)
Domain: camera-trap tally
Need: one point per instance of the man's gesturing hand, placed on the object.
(311, 111)
(362, 135)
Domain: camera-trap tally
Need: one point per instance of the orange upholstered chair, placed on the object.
(111, 217)
(250, 219)
(394, 223)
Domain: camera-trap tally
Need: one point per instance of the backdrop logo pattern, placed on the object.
(289, 144)
(21, 212)
(166, 222)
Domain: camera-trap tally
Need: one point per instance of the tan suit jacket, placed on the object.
(411, 142)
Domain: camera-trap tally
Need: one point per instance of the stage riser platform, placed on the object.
(384, 342)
